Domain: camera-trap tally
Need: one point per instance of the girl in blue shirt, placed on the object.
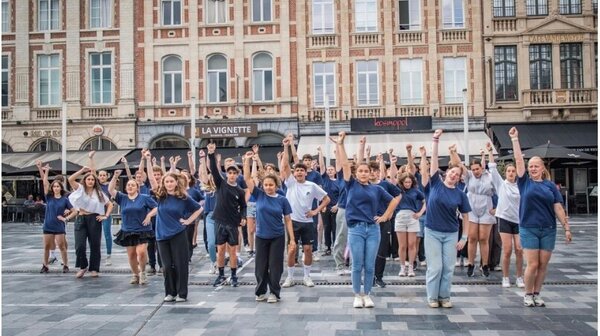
(363, 201)
(540, 204)
(411, 208)
(136, 213)
(269, 242)
(57, 207)
(176, 210)
(441, 227)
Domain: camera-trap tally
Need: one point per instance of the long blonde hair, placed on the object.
(179, 189)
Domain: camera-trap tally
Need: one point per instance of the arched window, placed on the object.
(172, 80)
(262, 77)
(169, 141)
(98, 143)
(220, 142)
(217, 79)
(46, 145)
(266, 139)
(6, 148)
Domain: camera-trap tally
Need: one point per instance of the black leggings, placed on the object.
(269, 264)
(88, 228)
(329, 225)
(384, 248)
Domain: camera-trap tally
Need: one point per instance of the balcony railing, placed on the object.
(409, 37)
(452, 111)
(321, 41)
(46, 114)
(560, 96)
(454, 35)
(503, 25)
(318, 114)
(366, 39)
(97, 112)
(367, 112)
(6, 114)
(412, 111)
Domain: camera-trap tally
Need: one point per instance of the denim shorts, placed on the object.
(251, 210)
(538, 238)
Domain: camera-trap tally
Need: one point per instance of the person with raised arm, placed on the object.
(136, 213)
(332, 188)
(157, 174)
(55, 218)
(540, 205)
(441, 227)
(94, 206)
(103, 177)
(251, 210)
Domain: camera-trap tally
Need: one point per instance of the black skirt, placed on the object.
(125, 239)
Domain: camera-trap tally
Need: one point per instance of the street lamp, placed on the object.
(327, 156)
(465, 126)
(193, 129)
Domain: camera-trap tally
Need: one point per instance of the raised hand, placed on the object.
(211, 147)
(362, 140)
(249, 155)
(488, 147)
(422, 150)
(117, 173)
(513, 133)
(201, 153)
(38, 163)
(91, 154)
(154, 161)
(452, 148)
(379, 157)
(86, 169)
(189, 154)
(409, 148)
(123, 160)
(255, 149)
(438, 132)
(319, 149)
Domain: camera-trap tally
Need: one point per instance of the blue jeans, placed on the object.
(363, 239)
(211, 237)
(107, 234)
(440, 250)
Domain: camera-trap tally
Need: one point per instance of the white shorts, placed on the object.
(405, 222)
(485, 218)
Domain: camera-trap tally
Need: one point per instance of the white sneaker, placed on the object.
(308, 282)
(368, 301)
(402, 272)
(316, 257)
(180, 299)
(143, 278)
(457, 263)
(169, 298)
(213, 268)
(538, 301)
(423, 263)
(528, 301)
(505, 283)
(433, 304)
(520, 282)
(272, 298)
(289, 282)
(358, 301)
(411, 272)
(107, 262)
(260, 298)
(446, 304)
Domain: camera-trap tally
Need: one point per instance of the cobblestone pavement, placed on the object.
(59, 304)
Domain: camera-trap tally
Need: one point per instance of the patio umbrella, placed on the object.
(7, 169)
(54, 164)
(552, 153)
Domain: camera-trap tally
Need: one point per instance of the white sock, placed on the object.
(291, 272)
(307, 271)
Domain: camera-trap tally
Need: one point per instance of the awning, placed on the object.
(102, 159)
(381, 143)
(581, 136)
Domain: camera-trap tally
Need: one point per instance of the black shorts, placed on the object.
(227, 234)
(54, 233)
(304, 232)
(505, 226)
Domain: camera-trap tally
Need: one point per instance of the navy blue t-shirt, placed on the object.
(209, 202)
(195, 194)
(442, 205)
(269, 214)
(392, 190)
(332, 188)
(55, 207)
(104, 188)
(412, 199)
(170, 211)
(536, 208)
(144, 190)
(314, 177)
(133, 211)
(363, 201)
(341, 203)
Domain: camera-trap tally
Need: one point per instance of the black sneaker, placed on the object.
(52, 260)
(251, 253)
(485, 270)
(470, 270)
(379, 283)
(220, 281)
(415, 265)
(44, 269)
(234, 281)
(65, 269)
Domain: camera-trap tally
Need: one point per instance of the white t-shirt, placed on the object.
(301, 196)
(90, 203)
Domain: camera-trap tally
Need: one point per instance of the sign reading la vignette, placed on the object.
(390, 124)
(224, 131)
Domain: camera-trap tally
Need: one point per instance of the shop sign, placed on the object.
(390, 124)
(224, 131)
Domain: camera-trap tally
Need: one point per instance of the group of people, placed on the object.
(360, 203)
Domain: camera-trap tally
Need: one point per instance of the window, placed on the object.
(6, 148)
(172, 80)
(262, 71)
(569, 7)
(48, 15)
(100, 13)
(537, 7)
(265, 138)
(455, 79)
(366, 16)
(322, 17)
(217, 79)
(411, 81)
(453, 14)
(571, 66)
(540, 66)
(98, 143)
(410, 14)
(169, 142)
(505, 69)
(261, 10)
(101, 78)
(171, 12)
(5, 16)
(48, 80)
(215, 11)
(324, 79)
(595, 6)
(504, 8)
(5, 68)
(46, 145)
(368, 83)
